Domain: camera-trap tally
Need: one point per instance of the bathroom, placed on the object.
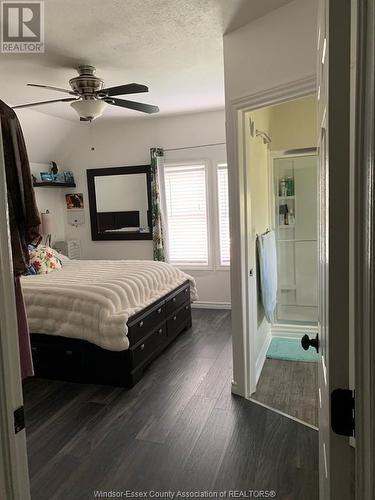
(281, 160)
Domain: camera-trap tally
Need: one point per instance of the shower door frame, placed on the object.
(291, 329)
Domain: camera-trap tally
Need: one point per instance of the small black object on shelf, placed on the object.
(54, 184)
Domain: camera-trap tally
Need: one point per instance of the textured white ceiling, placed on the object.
(173, 46)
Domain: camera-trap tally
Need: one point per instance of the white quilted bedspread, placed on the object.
(93, 299)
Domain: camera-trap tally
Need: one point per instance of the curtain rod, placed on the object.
(199, 146)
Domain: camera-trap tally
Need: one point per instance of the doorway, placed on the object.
(281, 169)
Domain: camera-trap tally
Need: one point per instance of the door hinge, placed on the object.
(19, 419)
(343, 412)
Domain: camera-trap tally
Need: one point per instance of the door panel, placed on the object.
(334, 239)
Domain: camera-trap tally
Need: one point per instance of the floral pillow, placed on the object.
(44, 260)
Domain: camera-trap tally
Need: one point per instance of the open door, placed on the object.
(14, 478)
(336, 454)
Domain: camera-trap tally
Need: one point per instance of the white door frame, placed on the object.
(243, 286)
(14, 477)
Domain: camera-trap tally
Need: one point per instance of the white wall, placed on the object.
(116, 143)
(48, 138)
(275, 49)
(51, 199)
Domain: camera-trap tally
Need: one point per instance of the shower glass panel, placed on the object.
(295, 190)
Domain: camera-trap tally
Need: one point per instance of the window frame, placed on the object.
(218, 265)
(189, 163)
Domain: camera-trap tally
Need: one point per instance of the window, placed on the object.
(223, 209)
(186, 208)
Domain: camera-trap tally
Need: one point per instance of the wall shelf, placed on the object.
(54, 184)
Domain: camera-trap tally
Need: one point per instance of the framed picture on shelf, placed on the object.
(46, 176)
(69, 177)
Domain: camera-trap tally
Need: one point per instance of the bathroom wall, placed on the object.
(257, 156)
(293, 124)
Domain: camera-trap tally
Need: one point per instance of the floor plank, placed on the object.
(179, 428)
(291, 387)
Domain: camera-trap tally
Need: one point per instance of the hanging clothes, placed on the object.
(24, 217)
(24, 220)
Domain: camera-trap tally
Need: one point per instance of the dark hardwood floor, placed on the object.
(178, 429)
(291, 387)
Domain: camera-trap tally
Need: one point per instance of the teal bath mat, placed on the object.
(290, 350)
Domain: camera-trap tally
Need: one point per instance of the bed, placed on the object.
(105, 321)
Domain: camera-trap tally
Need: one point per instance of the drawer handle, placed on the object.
(186, 308)
(174, 299)
(186, 290)
(141, 323)
(159, 310)
(174, 318)
(142, 347)
(160, 330)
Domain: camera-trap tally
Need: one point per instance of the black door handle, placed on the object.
(306, 342)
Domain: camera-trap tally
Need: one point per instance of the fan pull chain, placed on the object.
(91, 135)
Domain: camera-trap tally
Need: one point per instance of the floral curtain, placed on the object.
(157, 156)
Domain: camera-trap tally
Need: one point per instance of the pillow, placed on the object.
(44, 260)
(62, 258)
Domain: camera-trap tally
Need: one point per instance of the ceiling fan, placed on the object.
(89, 98)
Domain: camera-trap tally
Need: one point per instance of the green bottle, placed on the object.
(290, 186)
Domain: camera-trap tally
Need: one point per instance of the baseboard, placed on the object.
(262, 355)
(235, 389)
(292, 331)
(211, 305)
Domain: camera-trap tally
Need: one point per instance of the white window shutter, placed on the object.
(186, 204)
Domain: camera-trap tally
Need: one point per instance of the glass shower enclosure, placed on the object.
(295, 217)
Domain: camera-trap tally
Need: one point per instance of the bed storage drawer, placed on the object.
(150, 331)
(59, 359)
(145, 349)
(141, 325)
(179, 320)
(177, 299)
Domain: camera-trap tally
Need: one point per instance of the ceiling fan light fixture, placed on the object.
(89, 109)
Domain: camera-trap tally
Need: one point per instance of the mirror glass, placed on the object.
(121, 203)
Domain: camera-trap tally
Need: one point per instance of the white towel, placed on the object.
(266, 244)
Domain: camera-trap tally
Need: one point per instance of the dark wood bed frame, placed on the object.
(150, 331)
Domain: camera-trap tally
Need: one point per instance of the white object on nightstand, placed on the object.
(70, 248)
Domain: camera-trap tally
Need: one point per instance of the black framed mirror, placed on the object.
(120, 203)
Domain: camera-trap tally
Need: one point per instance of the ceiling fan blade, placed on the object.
(40, 103)
(130, 88)
(52, 88)
(137, 106)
